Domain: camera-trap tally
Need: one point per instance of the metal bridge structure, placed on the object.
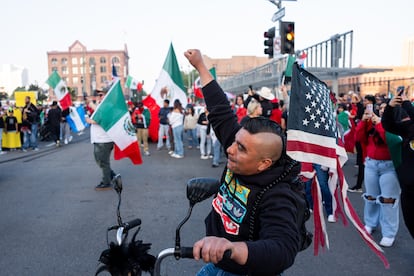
(328, 60)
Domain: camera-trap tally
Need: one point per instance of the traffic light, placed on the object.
(287, 37)
(270, 36)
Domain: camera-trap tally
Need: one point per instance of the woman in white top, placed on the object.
(176, 119)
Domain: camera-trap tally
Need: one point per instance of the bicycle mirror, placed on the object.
(117, 182)
(201, 188)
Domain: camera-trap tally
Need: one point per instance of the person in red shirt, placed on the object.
(380, 178)
(239, 108)
(276, 112)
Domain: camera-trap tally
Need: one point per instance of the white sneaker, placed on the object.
(176, 155)
(170, 152)
(66, 141)
(147, 153)
(204, 157)
(368, 229)
(70, 138)
(387, 242)
(331, 218)
(2, 152)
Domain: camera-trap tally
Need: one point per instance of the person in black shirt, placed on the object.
(54, 116)
(398, 118)
(256, 155)
(31, 118)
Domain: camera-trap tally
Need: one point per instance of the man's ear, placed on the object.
(264, 164)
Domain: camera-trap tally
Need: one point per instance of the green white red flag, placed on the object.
(131, 83)
(169, 86)
(113, 116)
(61, 91)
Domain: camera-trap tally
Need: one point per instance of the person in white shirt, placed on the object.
(102, 148)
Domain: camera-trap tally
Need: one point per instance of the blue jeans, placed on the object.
(192, 137)
(381, 182)
(212, 270)
(205, 142)
(178, 140)
(323, 184)
(30, 140)
(216, 152)
(163, 131)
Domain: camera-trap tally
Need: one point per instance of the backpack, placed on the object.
(303, 212)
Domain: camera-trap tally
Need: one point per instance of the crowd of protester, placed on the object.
(378, 147)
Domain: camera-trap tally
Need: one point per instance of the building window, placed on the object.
(103, 79)
(92, 61)
(75, 80)
(64, 61)
(54, 61)
(54, 69)
(115, 60)
(65, 79)
(103, 69)
(102, 60)
(74, 70)
(64, 70)
(92, 69)
(74, 60)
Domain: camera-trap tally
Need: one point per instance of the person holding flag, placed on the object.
(102, 148)
(111, 128)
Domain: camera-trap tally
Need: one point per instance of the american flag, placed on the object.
(312, 138)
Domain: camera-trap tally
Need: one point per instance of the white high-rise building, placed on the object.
(13, 76)
(408, 52)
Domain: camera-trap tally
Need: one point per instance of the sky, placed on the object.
(219, 28)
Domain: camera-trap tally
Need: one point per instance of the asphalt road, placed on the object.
(53, 222)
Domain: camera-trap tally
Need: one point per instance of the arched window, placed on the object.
(54, 61)
(115, 60)
(102, 60)
(64, 61)
(92, 61)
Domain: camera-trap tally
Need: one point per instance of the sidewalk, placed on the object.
(43, 146)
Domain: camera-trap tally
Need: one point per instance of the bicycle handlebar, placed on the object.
(187, 252)
(131, 224)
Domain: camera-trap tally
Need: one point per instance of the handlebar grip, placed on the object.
(131, 224)
(187, 252)
(227, 254)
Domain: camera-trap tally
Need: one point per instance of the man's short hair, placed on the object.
(262, 125)
(167, 101)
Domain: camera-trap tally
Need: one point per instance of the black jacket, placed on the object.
(276, 236)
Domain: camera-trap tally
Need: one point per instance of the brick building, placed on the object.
(84, 71)
(227, 67)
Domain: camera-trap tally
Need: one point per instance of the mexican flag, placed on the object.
(113, 116)
(131, 83)
(197, 84)
(170, 86)
(61, 91)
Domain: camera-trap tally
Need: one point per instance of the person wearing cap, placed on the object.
(31, 117)
(102, 148)
(11, 131)
(54, 116)
(264, 96)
